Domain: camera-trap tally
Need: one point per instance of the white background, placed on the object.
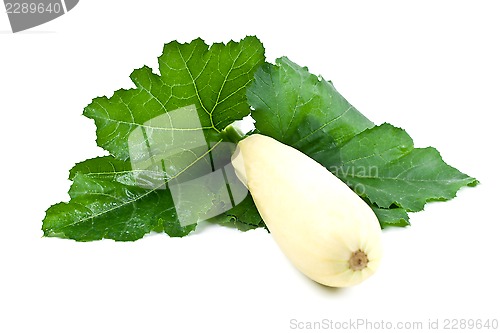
(431, 67)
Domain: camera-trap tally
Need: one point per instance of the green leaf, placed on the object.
(379, 163)
(243, 216)
(213, 79)
(392, 217)
(104, 205)
(165, 130)
(300, 109)
(382, 165)
(105, 168)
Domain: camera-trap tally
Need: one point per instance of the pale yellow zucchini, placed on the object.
(327, 231)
